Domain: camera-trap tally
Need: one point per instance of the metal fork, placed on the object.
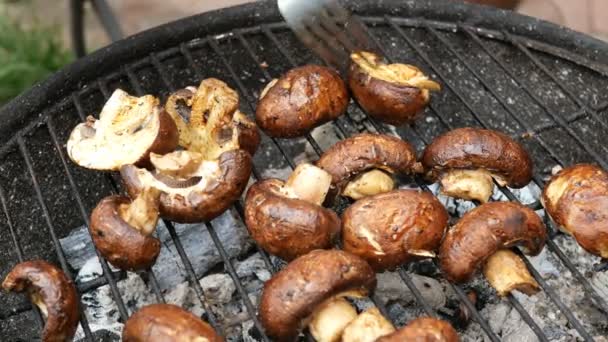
(328, 29)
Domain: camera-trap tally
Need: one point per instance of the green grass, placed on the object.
(27, 56)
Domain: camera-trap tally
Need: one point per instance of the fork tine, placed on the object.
(327, 38)
(352, 25)
(319, 47)
(332, 27)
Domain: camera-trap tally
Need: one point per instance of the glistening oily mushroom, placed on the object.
(392, 93)
(128, 130)
(122, 229)
(201, 181)
(287, 219)
(293, 295)
(302, 99)
(423, 329)
(466, 160)
(166, 322)
(576, 198)
(364, 164)
(393, 228)
(480, 235)
(52, 292)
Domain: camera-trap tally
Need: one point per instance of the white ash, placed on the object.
(391, 288)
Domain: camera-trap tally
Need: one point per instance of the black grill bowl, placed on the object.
(542, 84)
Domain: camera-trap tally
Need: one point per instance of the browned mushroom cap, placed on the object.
(302, 99)
(351, 159)
(121, 230)
(292, 295)
(54, 294)
(577, 200)
(287, 222)
(483, 231)
(166, 322)
(393, 93)
(128, 130)
(466, 159)
(393, 228)
(423, 329)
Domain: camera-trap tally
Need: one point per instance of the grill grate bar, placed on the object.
(419, 298)
(47, 217)
(482, 322)
(523, 313)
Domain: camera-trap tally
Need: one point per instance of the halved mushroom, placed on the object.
(201, 182)
(485, 230)
(465, 161)
(363, 164)
(367, 327)
(330, 318)
(293, 294)
(286, 218)
(302, 99)
(393, 228)
(576, 199)
(122, 229)
(52, 292)
(128, 130)
(392, 93)
(424, 329)
(166, 322)
(506, 272)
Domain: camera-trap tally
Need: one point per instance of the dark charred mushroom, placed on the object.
(424, 329)
(481, 233)
(286, 218)
(52, 292)
(128, 130)
(393, 228)
(292, 295)
(576, 199)
(166, 322)
(363, 164)
(302, 99)
(465, 160)
(122, 230)
(392, 93)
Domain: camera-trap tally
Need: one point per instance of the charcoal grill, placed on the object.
(542, 84)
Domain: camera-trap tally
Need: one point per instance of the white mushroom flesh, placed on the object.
(36, 298)
(330, 318)
(506, 272)
(367, 327)
(179, 164)
(142, 213)
(267, 87)
(309, 183)
(468, 184)
(368, 184)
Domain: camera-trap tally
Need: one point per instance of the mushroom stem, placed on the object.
(367, 327)
(180, 164)
(468, 184)
(506, 272)
(267, 87)
(142, 213)
(368, 184)
(36, 298)
(309, 183)
(330, 318)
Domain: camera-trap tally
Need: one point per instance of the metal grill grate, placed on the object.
(445, 50)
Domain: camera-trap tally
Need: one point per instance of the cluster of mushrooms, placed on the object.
(191, 159)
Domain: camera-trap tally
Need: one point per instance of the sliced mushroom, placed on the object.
(122, 229)
(506, 272)
(363, 164)
(392, 93)
(483, 231)
(52, 292)
(424, 329)
(465, 160)
(330, 318)
(367, 327)
(128, 130)
(286, 218)
(302, 99)
(166, 322)
(576, 199)
(293, 294)
(393, 228)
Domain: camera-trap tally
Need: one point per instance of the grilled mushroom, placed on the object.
(367, 327)
(286, 218)
(393, 228)
(302, 99)
(201, 182)
(465, 160)
(128, 130)
(423, 329)
(481, 233)
(52, 292)
(122, 229)
(166, 322)
(363, 164)
(392, 93)
(292, 295)
(576, 199)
